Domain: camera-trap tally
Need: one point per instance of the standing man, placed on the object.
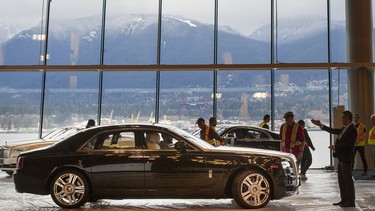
(371, 141)
(360, 143)
(292, 137)
(307, 157)
(343, 150)
(266, 119)
(208, 134)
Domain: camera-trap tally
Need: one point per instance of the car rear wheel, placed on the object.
(69, 189)
(251, 190)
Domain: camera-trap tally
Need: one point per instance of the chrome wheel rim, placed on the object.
(255, 189)
(69, 189)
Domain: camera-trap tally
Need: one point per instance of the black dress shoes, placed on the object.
(348, 204)
(339, 203)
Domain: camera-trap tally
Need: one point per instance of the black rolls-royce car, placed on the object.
(249, 136)
(152, 161)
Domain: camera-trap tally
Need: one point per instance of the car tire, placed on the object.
(69, 189)
(251, 189)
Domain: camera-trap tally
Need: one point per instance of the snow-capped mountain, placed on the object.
(132, 39)
(290, 30)
(7, 31)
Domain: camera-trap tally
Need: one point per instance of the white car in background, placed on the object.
(9, 152)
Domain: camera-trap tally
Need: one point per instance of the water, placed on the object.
(320, 139)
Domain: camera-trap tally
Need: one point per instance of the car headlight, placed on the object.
(6, 153)
(287, 166)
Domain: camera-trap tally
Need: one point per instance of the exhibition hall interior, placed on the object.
(63, 62)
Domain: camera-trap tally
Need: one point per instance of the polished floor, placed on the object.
(317, 193)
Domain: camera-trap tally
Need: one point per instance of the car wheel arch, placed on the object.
(60, 169)
(252, 188)
(234, 174)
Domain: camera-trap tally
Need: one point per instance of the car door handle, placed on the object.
(136, 156)
(152, 157)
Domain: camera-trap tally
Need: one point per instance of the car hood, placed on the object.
(242, 150)
(30, 142)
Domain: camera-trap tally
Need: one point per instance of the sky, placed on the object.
(243, 15)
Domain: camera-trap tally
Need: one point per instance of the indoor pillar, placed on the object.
(359, 49)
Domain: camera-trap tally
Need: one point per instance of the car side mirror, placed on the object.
(180, 146)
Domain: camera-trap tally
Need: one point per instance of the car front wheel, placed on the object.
(69, 189)
(251, 190)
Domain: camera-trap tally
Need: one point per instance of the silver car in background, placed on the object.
(9, 152)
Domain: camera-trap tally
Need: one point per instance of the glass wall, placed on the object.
(19, 105)
(21, 32)
(128, 97)
(187, 32)
(75, 32)
(71, 98)
(301, 31)
(185, 96)
(338, 31)
(306, 94)
(186, 37)
(244, 97)
(244, 37)
(131, 32)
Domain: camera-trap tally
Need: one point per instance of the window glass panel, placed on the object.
(71, 98)
(340, 88)
(338, 31)
(244, 36)
(305, 92)
(19, 105)
(244, 96)
(301, 31)
(74, 32)
(184, 97)
(21, 32)
(128, 97)
(187, 32)
(131, 32)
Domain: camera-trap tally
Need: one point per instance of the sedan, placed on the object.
(9, 152)
(126, 161)
(247, 136)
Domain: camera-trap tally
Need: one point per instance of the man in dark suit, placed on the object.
(343, 149)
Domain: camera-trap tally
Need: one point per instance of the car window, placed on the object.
(248, 134)
(113, 140)
(156, 140)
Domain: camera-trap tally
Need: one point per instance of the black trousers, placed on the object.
(361, 150)
(346, 183)
(306, 160)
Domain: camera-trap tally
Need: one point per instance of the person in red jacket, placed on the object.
(292, 137)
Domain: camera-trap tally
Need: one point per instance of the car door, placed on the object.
(169, 173)
(117, 164)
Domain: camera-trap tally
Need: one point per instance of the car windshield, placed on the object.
(61, 133)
